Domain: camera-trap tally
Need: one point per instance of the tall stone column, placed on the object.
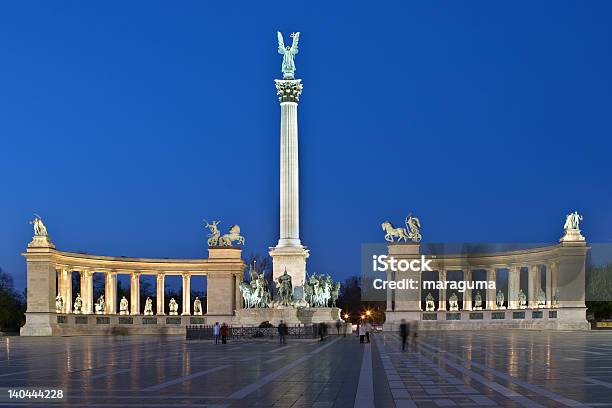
(160, 287)
(289, 254)
(186, 294)
(533, 286)
(514, 283)
(87, 282)
(442, 294)
(67, 289)
(110, 292)
(467, 295)
(491, 295)
(554, 281)
(549, 290)
(135, 293)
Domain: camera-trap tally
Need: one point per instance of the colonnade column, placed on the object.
(514, 283)
(67, 289)
(554, 281)
(110, 291)
(467, 295)
(186, 293)
(442, 293)
(135, 293)
(548, 286)
(532, 286)
(60, 284)
(491, 294)
(87, 291)
(160, 287)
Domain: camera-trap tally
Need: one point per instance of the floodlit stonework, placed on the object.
(559, 305)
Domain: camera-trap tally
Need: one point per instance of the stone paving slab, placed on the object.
(443, 369)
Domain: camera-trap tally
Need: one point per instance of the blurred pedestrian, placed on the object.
(216, 332)
(282, 332)
(404, 333)
(224, 331)
(362, 332)
(368, 329)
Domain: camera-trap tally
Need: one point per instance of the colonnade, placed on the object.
(535, 272)
(65, 289)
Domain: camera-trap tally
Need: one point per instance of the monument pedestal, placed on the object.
(290, 315)
(291, 259)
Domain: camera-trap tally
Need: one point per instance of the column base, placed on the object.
(40, 324)
(291, 259)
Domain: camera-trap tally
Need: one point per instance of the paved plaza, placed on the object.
(509, 368)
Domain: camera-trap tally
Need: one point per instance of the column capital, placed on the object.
(288, 90)
(134, 275)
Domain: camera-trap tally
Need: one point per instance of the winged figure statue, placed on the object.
(288, 54)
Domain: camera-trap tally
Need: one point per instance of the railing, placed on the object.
(205, 332)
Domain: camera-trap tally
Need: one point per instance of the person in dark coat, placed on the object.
(282, 332)
(404, 333)
(224, 330)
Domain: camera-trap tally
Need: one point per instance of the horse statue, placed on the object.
(247, 294)
(233, 235)
(412, 230)
(335, 293)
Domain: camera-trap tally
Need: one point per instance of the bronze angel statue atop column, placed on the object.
(288, 54)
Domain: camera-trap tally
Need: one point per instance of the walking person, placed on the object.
(322, 330)
(216, 331)
(368, 329)
(404, 332)
(282, 332)
(224, 331)
(362, 332)
(338, 326)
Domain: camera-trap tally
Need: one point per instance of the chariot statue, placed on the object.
(412, 230)
(288, 54)
(78, 304)
(59, 304)
(285, 289)
(148, 310)
(123, 306)
(216, 239)
(499, 299)
(541, 298)
(100, 305)
(197, 307)
(478, 301)
(40, 230)
(429, 303)
(453, 302)
(522, 299)
(173, 306)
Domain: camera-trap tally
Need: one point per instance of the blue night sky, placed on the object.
(125, 124)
